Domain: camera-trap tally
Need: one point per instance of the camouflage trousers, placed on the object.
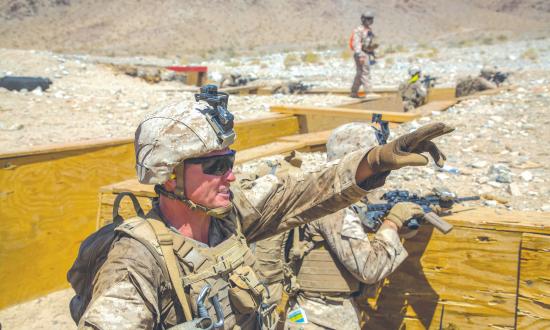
(324, 314)
(362, 75)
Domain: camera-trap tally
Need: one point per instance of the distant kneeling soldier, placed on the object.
(413, 92)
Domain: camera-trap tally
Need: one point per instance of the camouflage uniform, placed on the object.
(471, 85)
(368, 261)
(358, 259)
(413, 94)
(362, 39)
(130, 292)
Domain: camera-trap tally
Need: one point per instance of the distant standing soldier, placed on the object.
(413, 92)
(362, 43)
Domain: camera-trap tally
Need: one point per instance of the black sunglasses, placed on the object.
(215, 165)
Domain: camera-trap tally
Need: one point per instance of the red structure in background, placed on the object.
(196, 75)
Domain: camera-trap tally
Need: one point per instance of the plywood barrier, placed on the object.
(48, 202)
(440, 94)
(315, 119)
(491, 271)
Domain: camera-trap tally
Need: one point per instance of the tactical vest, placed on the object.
(321, 272)
(227, 268)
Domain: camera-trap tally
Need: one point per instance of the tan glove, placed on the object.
(406, 150)
(404, 211)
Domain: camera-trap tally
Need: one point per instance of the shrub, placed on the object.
(487, 41)
(310, 57)
(530, 54)
(346, 54)
(291, 60)
(502, 38)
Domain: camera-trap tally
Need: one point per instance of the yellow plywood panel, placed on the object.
(441, 94)
(474, 272)
(48, 205)
(454, 270)
(255, 132)
(500, 219)
(391, 103)
(534, 283)
(350, 114)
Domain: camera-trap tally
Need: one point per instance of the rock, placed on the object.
(514, 190)
(497, 119)
(482, 179)
(494, 184)
(38, 91)
(14, 127)
(479, 164)
(490, 203)
(167, 75)
(491, 197)
(442, 176)
(501, 173)
(545, 208)
(526, 176)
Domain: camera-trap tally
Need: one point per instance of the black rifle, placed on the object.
(428, 81)
(383, 132)
(499, 77)
(298, 87)
(374, 213)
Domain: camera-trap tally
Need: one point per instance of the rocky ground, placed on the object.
(499, 149)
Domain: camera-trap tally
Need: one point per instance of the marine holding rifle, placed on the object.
(188, 259)
(325, 264)
(414, 90)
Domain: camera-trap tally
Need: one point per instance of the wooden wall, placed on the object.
(476, 277)
(48, 205)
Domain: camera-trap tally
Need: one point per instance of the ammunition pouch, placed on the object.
(246, 293)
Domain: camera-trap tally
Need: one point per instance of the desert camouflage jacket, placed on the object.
(130, 292)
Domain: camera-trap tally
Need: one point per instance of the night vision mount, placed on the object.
(217, 114)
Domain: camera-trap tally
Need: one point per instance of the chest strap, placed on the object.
(166, 243)
(232, 258)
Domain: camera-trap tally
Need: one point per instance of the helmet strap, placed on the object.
(179, 194)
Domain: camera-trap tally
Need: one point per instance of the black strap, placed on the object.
(116, 205)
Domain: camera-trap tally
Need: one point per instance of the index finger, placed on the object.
(426, 133)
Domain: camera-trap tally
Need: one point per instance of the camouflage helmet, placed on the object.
(174, 133)
(367, 14)
(415, 69)
(487, 72)
(350, 137)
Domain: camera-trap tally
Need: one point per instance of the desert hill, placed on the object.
(185, 28)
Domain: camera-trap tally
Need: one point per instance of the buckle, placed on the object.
(222, 267)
